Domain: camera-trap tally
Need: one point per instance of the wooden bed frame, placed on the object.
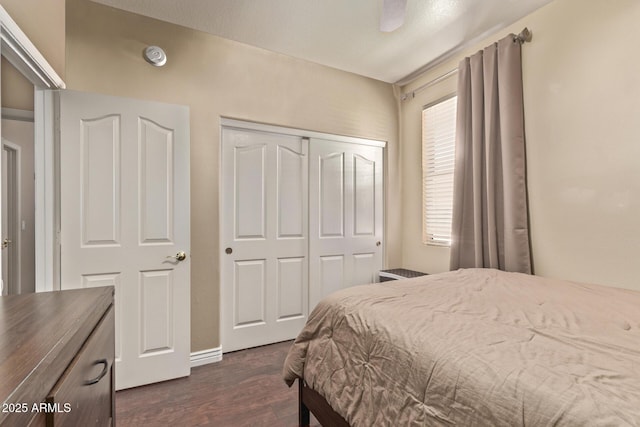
(310, 400)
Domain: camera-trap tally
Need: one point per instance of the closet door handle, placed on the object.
(378, 243)
(228, 251)
(105, 368)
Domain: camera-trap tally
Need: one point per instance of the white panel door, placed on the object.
(345, 216)
(124, 218)
(264, 289)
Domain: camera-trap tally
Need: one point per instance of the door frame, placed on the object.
(283, 130)
(15, 199)
(16, 47)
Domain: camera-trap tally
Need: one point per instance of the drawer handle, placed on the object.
(102, 374)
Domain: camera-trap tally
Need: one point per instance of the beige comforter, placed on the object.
(475, 348)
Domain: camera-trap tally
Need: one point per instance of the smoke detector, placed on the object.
(155, 56)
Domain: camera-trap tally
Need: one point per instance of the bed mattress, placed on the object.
(474, 347)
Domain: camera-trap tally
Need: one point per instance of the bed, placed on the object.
(472, 347)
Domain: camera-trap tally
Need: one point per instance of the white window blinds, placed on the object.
(438, 154)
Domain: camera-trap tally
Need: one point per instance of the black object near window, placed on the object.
(398, 273)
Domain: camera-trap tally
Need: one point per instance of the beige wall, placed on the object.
(17, 91)
(44, 23)
(217, 77)
(582, 114)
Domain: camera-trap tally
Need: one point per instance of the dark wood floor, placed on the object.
(244, 389)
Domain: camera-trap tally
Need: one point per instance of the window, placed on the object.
(438, 154)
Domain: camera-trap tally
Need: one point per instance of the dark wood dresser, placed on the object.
(56, 358)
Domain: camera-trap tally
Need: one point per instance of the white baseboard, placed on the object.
(204, 357)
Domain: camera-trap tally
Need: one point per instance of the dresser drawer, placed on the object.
(83, 395)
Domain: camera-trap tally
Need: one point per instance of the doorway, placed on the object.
(18, 203)
(20, 52)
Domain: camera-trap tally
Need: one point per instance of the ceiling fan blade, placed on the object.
(392, 16)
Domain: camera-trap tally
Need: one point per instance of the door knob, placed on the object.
(228, 251)
(378, 243)
(5, 243)
(180, 256)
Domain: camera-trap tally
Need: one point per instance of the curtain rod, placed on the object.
(524, 36)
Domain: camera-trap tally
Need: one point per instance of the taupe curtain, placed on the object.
(490, 225)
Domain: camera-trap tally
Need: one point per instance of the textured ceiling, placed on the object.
(342, 34)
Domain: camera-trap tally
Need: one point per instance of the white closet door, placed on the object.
(264, 290)
(345, 216)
